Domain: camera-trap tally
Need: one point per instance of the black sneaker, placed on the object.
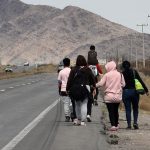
(72, 116)
(67, 119)
(128, 128)
(135, 126)
(95, 103)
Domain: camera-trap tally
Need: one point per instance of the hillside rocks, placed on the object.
(46, 34)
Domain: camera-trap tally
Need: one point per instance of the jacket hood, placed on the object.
(110, 66)
(126, 65)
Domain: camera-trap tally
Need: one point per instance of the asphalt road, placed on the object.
(31, 118)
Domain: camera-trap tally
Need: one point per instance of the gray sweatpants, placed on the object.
(81, 109)
(67, 105)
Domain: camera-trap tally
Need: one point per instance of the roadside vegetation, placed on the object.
(40, 69)
(145, 100)
(145, 74)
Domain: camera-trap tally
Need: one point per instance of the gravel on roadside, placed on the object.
(126, 139)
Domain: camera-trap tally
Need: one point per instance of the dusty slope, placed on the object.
(47, 34)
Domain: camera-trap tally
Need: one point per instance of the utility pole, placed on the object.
(129, 38)
(117, 56)
(107, 56)
(143, 25)
(131, 49)
(136, 60)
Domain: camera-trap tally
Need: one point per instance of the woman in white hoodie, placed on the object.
(113, 82)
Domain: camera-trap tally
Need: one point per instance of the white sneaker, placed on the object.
(83, 123)
(113, 128)
(75, 121)
(88, 118)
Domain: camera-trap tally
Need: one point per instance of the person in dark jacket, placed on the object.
(130, 95)
(92, 56)
(93, 64)
(81, 105)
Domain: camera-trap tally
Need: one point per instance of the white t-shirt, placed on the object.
(63, 77)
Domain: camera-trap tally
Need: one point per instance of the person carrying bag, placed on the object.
(130, 94)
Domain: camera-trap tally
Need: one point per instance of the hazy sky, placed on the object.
(126, 12)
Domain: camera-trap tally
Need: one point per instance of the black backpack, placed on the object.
(92, 57)
(78, 90)
(94, 70)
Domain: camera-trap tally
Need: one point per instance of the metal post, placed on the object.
(106, 57)
(131, 50)
(136, 55)
(143, 25)
(117, 56)
(143, 53)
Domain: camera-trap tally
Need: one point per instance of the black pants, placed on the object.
(89, 104)
(113, 113)
(73, 114)
(96, 96)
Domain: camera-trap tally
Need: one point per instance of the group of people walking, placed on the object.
(79, 89)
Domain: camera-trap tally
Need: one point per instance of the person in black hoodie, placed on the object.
(130, 95)
(81, 77)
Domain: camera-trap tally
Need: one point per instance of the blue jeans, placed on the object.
(131, 99)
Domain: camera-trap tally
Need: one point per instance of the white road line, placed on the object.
(23, 84)
(29, 127)
(11, 87)
(3, 90)
(28, 83)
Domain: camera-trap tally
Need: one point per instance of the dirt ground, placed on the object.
(129, 139)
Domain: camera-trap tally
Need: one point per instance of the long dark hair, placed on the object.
(81, 61)
(126, 65)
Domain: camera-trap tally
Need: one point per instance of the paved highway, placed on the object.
(31, 118)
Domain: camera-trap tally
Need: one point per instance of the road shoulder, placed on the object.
(89, 137)
(128, 139)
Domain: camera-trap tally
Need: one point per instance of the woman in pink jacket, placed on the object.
(113, 82)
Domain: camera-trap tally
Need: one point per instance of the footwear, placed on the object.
(83, 123)
(95, 102)
(128, 128)
(88, 118)
(72, 117)
(113, 128)
(118, 126)
(76, 122)
(135, 125)
(67, 119)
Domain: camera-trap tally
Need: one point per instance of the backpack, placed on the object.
(138, 86)
(92, 57)
(94, 70)
(78, 90)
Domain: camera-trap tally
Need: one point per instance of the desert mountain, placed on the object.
(45, 34)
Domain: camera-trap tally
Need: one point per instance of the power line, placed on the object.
(143, 25)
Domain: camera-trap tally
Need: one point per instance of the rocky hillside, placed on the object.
(46, 34)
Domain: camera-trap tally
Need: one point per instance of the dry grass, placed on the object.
(145, 100)
(145, 103)
(40, 69)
